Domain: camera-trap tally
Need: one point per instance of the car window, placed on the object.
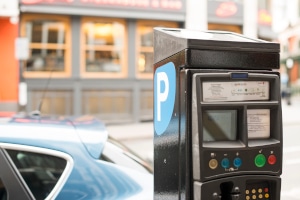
(40, 172)
(3, 194)
(119, 154)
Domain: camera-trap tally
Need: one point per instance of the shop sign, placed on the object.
(226, 9)
(225, 12)
(172, 5)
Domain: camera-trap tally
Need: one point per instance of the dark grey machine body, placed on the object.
(224, 137)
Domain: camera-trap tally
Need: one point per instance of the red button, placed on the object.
(266, 190)
(272, 159)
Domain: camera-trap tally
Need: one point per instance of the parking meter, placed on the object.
(217, 116)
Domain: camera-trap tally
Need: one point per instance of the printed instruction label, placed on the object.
(258, 123)
(235, 91)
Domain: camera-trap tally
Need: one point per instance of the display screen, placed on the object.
(219, 125)
(258, 121)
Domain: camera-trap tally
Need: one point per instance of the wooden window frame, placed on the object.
(66, 47)
(139, 48)
(124, 61)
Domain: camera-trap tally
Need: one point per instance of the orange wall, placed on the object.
(294, 72)
(9, 72)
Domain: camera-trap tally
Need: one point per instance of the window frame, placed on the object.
(66, 47)
(15, 188)
(64, 176)
(139, 48)
(124, 61)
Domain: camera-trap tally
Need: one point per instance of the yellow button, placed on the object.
(247, 191)
(213, 163)
(253, 196)
(260, 196)
(259, 190)
(253, 191)
(267, 195)
(247, 197)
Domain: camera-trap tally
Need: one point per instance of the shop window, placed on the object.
(145, 46)
(108, 105)
(40, 172)
(49, 45)
(103, 48)
(52, 102)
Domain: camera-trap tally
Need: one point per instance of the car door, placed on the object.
(11, 187)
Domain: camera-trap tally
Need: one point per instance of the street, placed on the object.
(139, 137)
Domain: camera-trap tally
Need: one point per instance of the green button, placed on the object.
(260, 160)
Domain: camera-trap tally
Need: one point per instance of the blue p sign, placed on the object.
(164, 96)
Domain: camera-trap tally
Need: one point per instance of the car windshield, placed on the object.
(116, 152)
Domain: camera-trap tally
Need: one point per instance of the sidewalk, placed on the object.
(144, 130)
(291, 113)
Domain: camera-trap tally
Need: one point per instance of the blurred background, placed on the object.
(95, 57)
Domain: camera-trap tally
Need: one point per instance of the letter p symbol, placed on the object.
(164, 96)
(161, 96)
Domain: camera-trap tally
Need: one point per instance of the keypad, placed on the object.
(257, 191)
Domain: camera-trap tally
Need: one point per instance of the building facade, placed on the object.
(9, 71)
(96, 56)
(93, 57)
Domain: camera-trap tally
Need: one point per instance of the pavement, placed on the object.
(291, 113)
(137, 136)
(124, 132)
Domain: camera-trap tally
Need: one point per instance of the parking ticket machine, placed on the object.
(217, 116)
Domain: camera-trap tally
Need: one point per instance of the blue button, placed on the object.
(237, 162)
(225, 163)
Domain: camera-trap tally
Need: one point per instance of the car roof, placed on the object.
(52, 132)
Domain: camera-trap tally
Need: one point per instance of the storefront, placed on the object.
(93, 56)
(96, 56)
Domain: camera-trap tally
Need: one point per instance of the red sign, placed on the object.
(226, 9)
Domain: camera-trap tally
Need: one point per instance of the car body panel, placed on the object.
(90, 131)
(80, 141)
